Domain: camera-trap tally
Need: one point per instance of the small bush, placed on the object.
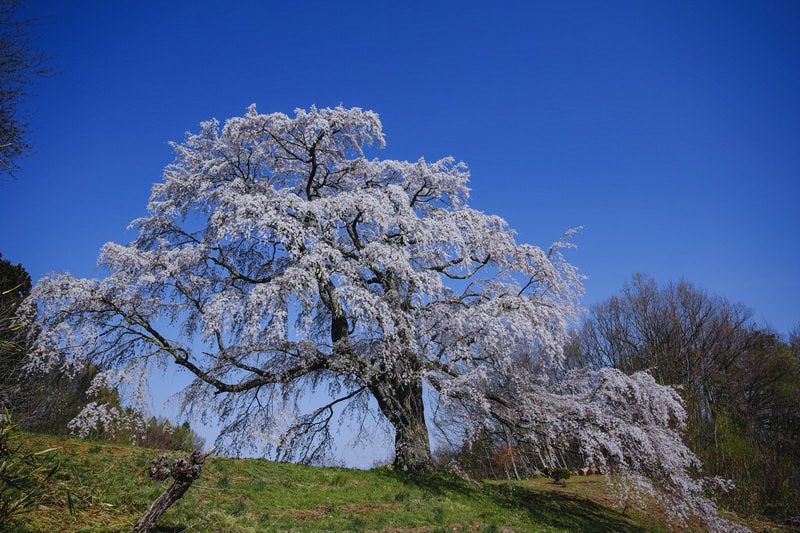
(558, 474)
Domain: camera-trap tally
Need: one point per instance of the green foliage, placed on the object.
(733, 445)
(23, 475)
(757, 429)
(557, 474)
(15, 284)
(161, 433)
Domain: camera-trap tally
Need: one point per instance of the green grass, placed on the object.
(104, 488)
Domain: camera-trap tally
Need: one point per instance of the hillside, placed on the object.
(104, 488)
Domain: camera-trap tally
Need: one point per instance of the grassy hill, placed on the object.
(104, 488)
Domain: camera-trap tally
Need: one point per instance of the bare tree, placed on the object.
(20, 63)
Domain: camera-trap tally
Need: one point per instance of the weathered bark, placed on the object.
(402, 404)
(184, 471)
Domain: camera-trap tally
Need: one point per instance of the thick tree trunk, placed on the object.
(399, 396)
(401, 403)
(411, 444)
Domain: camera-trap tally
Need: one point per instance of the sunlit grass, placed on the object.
(104, 488)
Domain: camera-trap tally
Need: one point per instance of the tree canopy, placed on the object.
(277, 258)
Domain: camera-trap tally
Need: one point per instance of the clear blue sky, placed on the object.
(670, 130)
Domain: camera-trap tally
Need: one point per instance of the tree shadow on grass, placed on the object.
(434, 482)
(561, 510)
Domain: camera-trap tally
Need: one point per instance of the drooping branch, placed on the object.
(311, 428)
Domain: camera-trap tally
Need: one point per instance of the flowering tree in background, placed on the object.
(277, 259)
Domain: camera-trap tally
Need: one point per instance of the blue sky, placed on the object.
(669, 130)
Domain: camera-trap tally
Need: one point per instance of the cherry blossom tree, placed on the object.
(628, 425)
(290, 261)
(277, 259)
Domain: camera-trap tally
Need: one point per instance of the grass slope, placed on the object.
(104, 488)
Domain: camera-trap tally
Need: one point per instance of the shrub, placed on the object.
(559, 474)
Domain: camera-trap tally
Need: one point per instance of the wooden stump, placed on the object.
(184, 471)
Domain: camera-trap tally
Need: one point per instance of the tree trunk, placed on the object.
(401, 403)
(399, 396)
